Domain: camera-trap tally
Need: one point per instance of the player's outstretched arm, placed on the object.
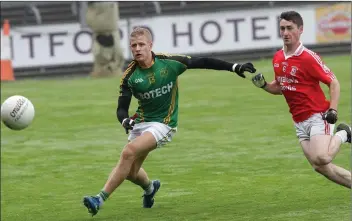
(209, 63)
(217, 64)
(272, 88)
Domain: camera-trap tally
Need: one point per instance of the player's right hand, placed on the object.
(330, 116)
(259, 80)
(128, 124)
(239, 69)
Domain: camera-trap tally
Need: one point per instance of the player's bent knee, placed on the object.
(320, 163)
(321, 160)
(129, 152)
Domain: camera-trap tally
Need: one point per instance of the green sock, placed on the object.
(103, 195)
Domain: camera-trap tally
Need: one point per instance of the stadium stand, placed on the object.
(31, 13)
(35, 13)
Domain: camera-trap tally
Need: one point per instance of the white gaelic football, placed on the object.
(17, 112)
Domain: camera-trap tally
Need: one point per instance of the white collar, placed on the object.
(298, 51)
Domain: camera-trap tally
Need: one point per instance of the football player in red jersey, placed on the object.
(298, 72)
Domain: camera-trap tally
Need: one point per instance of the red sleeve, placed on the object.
(317, 69)
(273, 63)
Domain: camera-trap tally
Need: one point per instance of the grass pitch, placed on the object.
(235, 155)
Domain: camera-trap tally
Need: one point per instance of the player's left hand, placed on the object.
(128, 124)
(330, 116)
(259, 80)
(241, 68)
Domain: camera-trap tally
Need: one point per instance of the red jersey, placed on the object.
(299, 76)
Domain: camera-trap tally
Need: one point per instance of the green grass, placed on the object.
(235, 155)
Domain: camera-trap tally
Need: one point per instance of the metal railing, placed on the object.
(33, 9)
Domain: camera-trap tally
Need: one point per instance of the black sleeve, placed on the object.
(122, 107)
(125, 97)
(208, 63)
(200, 62)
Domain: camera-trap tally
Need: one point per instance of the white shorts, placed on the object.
(314, 125)
(161, 132)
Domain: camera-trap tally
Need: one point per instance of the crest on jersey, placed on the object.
(151, 78)
(276, 65)
(293, 70)
(163, 72)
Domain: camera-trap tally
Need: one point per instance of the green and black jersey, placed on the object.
(156, 88)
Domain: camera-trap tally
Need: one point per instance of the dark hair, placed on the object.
(292, 16)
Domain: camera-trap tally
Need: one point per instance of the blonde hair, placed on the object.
(138, 31)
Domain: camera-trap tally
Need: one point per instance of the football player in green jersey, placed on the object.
(152, 79)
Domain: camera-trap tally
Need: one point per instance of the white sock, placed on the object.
(149, 189)
(101, 201)
(343, 135)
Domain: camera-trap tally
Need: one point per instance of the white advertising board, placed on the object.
(182, 34)
(223, 31)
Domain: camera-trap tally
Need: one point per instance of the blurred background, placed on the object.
(53, 38)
